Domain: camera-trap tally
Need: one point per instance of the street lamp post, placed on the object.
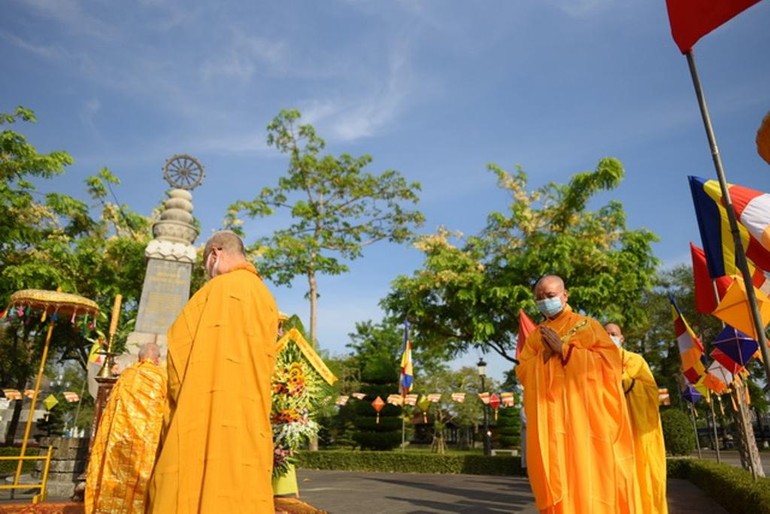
(487, 435)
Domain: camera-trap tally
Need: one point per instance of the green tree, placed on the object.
(52, 240)
(468, 293)
(336, 209)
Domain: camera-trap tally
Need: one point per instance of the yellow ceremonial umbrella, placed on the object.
(53, 304)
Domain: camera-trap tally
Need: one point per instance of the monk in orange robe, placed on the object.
(126, 441)
(641, 392)
(217, 452)
(580, 454)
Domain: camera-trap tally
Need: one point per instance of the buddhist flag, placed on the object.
(410, 399)
(71, 396)
(691, 349)
(342, 400)
(50, 402)
(507, 399)
(458, 397)
(526, 326)
(753, 217)
(705, 295)
(692, 19)
(12, 394)
(395, 399)
(406, 380)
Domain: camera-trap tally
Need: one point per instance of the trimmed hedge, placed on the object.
(8, 467)
(732, 487)
(410, 462)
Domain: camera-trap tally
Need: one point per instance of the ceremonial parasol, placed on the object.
(736, 345)
(53, 304)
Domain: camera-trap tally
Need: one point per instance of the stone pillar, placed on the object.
(170, 258)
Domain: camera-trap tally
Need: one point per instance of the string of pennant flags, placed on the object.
(423, 402)
(50, 401)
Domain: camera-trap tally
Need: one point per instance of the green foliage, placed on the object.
(678, 432)
(372, 432)
(56, 241)
(733, 488)
(509, 427)
(52, 423)
(470, 289)
(336, 209)
(410, 462)
(8, 467)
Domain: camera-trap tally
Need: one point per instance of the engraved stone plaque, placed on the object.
(165, 292)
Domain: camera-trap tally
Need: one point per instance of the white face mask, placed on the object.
(617, 340)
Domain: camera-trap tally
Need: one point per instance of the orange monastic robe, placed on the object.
(650, 450)
(126, 441)
(217, 454)
(580, 454)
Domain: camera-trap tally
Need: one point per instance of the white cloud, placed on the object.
(69, 14)
(245, 57)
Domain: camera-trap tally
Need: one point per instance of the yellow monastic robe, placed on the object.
(580, 455)
(650, 450)
(217, 453)
(126, 441)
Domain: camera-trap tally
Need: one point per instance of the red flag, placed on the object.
(692, 19)
(705, 301)
(526, 326)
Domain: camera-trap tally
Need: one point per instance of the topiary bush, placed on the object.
(677, 432)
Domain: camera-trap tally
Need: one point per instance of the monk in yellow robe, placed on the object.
(217, 452)
(126, 441)
(580, 455)
(641, 392)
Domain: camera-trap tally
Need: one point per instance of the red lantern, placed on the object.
(494, 402)
(378, 404)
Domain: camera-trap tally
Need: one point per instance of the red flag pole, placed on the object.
(740, 255)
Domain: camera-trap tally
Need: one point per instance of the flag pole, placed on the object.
(740, 255)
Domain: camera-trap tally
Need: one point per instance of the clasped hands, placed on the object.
(552, 342)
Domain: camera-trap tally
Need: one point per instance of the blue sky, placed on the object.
(435, 89)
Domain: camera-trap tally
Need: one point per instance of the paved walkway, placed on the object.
(344, 492)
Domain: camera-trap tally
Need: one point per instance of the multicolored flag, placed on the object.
(12, 394)
(692, 19)
(753, 220)
(406, 380)
(526, 326)
(71, 396)
(691, 349)
(706, 298)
